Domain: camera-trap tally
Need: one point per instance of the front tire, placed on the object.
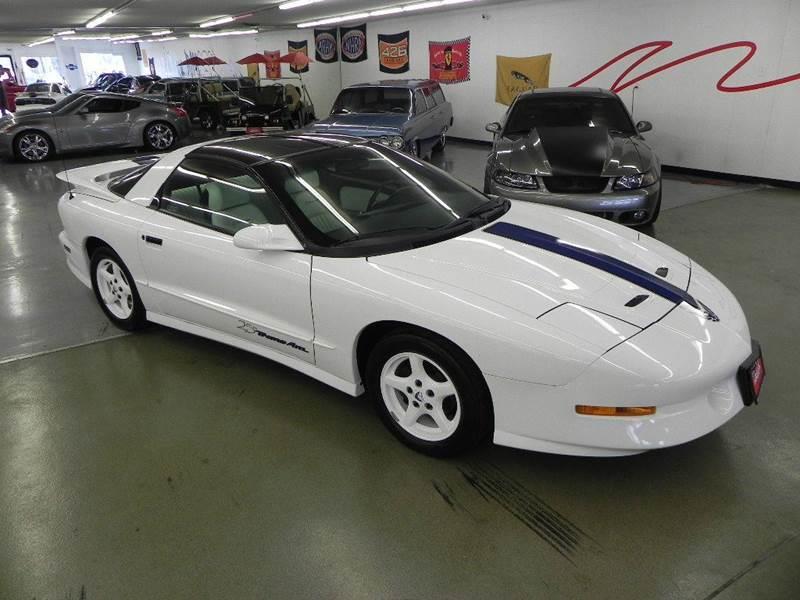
(116, 291)
(429, 394)
(33, 146)
(440, 145)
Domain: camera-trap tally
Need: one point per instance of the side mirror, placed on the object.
(494, 127)
(266, 237)
(643, 126)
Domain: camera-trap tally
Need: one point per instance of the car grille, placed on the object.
(575, 185)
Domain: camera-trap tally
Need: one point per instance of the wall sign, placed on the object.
(301, 47)
(517, 75)
(32, 63)
(393, 52)
(274, 65)
(449, 61)
(353, 41)
(326, 45)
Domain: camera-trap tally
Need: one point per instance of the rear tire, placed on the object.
(160, 136)
(207, 120)
(116, 291)
(429, 394)
(33, 146)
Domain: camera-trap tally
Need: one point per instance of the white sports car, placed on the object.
(40, 95)
(461, 315)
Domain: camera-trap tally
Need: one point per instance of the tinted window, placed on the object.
(438, 95)
(567, 111)
(419, 103)
(130, 105)
(124, 184)
(105, 105)
(218, 196)
(429, 99)
(343, 194)
(373, 99)
(40, 88)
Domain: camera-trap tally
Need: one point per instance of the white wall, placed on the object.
(752, 133)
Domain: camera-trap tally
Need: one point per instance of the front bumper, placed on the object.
(684, 365)
(620, 206)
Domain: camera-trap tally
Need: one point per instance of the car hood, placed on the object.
(364, 124)
(535, 281)
(571, 151)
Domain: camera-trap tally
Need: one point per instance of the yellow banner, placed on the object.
(517, 75)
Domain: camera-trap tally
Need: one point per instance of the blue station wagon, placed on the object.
(407, 114)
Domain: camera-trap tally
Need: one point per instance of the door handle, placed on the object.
(153, 240)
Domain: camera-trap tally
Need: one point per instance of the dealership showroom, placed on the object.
(399, 299)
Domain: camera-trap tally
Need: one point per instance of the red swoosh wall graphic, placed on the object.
(656, 47)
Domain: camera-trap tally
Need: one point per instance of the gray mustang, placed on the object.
(92, 120)
(577, 148)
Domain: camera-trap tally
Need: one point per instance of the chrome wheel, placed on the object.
(160, 136)
(33, 147)
(420, 396)
(114, 289)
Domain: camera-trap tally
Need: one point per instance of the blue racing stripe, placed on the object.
(598, 260)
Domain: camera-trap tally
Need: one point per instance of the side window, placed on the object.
(129, 105)
(158, 88)
(438, 94)
(104, 105)
(218, 196)
(429, 99)
(419, 103)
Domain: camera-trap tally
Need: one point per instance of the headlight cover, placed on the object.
(524, 181)
(633, 182)
(393, 141)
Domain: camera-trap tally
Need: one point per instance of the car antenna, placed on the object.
(61, 157)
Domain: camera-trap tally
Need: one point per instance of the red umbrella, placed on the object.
(213, 60)
(195, 61)
(254, 59)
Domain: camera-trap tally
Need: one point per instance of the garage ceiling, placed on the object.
(34, 19)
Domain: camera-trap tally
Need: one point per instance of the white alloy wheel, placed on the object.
(33, 147)
(420, 396)
(114, 289)
(160, 136)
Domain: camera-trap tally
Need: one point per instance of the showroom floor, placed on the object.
(161, 465)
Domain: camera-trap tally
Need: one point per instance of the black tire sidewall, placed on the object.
(137, 319)
(476, 413)
(30, 131)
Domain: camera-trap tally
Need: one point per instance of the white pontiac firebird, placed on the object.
(461, 315)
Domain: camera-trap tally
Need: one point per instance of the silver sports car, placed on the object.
(577, 148)
(91, 120)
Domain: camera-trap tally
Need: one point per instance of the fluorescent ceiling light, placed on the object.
(126, 36)
(296, 4)
(162, 32)
(49, 40)
(215, 22)
(100, 20)
(86, 37)
(164, 39)
(68, 32)
(224, 33)
(380, 12)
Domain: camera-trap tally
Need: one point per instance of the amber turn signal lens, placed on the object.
(615, 411)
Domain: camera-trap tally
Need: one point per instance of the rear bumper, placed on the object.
(616, 205)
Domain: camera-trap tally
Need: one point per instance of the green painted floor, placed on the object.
(160, 465)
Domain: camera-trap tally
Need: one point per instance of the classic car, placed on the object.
(92, 120)
(463, 316)
(276, 105)
(405, 114)
(208, 101)
(577, 148)
(41, 95)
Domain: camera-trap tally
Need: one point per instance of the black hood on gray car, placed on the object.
(574, 151)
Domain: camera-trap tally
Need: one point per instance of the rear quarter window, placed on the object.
(122, 184)
(438, 95)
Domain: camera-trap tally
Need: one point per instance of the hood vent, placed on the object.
(636, 300)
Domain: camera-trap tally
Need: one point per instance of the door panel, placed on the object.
(105, 124)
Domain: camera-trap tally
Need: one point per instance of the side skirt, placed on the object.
(298, 365)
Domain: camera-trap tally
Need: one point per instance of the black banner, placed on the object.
(298, 47)
(353, 42)
(393, 52)
(326, 45)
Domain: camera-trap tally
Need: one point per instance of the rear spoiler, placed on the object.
(94, 179)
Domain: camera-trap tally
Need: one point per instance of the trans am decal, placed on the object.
(253, 330)
(353, 42)
(393, 52)
(301, 47)
(449, 61)
(326, 45)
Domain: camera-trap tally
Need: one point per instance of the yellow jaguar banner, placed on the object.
(516, 75)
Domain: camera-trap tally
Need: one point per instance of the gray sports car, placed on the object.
(91, 120)
(577, 148)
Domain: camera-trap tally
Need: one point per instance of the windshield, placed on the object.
(38, 87)
(373, 100)
(563, 111)
(347, 194)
